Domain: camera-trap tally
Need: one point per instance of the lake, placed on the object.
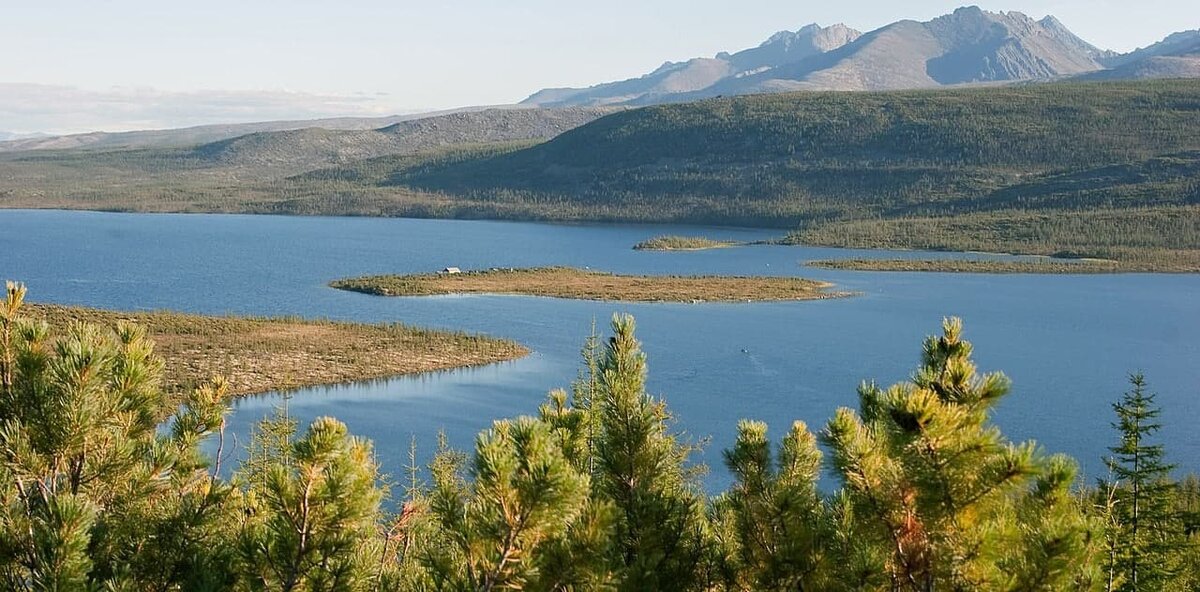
(1067, 342)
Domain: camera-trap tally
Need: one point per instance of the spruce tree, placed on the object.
(1147, 530)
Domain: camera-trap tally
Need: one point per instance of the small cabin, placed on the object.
(451, 270)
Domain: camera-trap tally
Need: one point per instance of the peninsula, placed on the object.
(264, 354)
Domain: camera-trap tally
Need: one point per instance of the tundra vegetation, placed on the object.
(591, 491)
(569, 282)
(255, 355)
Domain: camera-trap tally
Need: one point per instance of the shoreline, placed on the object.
(1043, 266)
(264, 354)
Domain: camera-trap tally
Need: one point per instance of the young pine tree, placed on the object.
(660, 529)
(92, 495)
(939, 491)
(1147, 532)
(312, 518)
(780, 523)
(523, 522)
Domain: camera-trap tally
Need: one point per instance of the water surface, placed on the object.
(1067, 342)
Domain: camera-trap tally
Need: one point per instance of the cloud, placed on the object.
(56, 109)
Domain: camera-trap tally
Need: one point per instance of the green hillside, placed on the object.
(811, 153)
(813, 161)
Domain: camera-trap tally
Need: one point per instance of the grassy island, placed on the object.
(567, 282)
(263, 354)
(681, 243)
(976, 265)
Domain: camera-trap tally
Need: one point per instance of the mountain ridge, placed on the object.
(968, 46)
(294, 150)
(202, 134)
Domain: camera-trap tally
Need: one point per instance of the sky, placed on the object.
(83, 65)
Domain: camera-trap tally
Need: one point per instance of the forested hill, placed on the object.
(775, 143)
(814, 161)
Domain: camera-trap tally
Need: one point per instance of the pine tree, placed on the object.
(660, 530)
(87, 479)
(780, 521)
(524, 521)
(943, 495)
(1147, 531)
(313, 519)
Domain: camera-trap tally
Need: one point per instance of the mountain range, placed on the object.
(1177, 56)
(969, 46)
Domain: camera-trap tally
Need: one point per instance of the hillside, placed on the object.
(182, 137)
(808, 160)
(250, 174)
(968, 46)
(304, 149)
(864, 150)
(230, 174)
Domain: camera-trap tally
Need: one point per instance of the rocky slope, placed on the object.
(968, 46)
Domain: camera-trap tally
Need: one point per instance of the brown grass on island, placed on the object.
(681, 243)
(568, 282)
(1040, 266)
(264, 354)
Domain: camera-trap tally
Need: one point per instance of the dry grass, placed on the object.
(976, 265)
(262, 354)
(567, 282)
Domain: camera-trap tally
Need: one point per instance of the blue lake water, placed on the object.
(1067, 342)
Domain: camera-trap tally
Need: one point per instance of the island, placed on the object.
(1040, 266)
(257, 355)
(584, 284)
(682, 243)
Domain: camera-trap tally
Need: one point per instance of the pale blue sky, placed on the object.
(380, 56)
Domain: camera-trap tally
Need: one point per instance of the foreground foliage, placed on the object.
(593, 492)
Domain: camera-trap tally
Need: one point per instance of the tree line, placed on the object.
(594, 491)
